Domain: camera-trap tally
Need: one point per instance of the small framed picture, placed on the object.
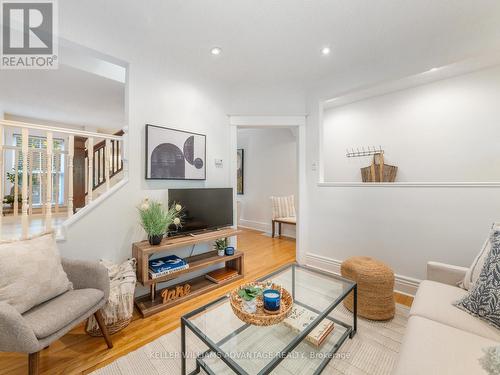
(173, 154)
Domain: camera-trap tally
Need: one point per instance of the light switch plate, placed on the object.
(218, 163)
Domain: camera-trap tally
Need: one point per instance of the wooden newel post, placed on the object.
(90, 158)
(107, 156)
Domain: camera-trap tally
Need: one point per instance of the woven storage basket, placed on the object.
(375, 287)
(260, 317)
(378, 171)
(118, 311)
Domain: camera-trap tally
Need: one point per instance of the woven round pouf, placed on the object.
(375, 287)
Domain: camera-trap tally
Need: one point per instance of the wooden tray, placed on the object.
(260, 317)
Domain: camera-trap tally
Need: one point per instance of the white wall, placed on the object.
(160, 93)
(402, 226)
(270, 169)
(439, 132)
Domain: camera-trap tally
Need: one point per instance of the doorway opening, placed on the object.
(268, 170)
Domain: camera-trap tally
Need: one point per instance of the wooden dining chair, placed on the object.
(283, 212)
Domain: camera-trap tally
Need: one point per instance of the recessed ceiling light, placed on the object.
(433, 69)
(325, 51)
(216, 51)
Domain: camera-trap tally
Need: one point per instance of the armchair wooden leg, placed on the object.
(273, 228)
(103, 328)
(279, 228)
(34, 363)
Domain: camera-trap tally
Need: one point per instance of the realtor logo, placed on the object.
(29, 34)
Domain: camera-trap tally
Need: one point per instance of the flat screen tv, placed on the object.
(203, 209)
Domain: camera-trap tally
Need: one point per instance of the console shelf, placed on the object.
(199, 286)
(152, 303)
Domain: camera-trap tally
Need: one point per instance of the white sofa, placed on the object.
(441, 339)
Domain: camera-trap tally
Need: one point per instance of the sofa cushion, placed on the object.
(289, 220)
(435, 301)
(433, 348)
(51, 316)
(31, 272)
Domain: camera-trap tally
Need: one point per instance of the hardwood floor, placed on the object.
(403, 299)
(78, 353)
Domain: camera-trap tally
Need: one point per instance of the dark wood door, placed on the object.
(79, 173)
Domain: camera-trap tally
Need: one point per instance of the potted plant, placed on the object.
(11, 177)
(155, 219)
(220, 246)
(249, 295)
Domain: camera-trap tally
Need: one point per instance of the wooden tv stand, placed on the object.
(152, 303)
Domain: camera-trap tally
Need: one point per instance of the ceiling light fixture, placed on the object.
(433, 69)
(325, 51)
(216, 51)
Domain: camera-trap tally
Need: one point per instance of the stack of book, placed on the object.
(301, 317)
(221, 275)
(166, 265)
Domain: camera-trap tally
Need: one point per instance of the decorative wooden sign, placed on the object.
(177, 292)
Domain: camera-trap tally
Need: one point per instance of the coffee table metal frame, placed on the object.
(215, 347)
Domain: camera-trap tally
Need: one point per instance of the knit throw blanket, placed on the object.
(120, 304)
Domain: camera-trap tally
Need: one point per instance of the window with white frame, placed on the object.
(38, 166)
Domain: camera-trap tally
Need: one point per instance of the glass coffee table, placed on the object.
(227, 345)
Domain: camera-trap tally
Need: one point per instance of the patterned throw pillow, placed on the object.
(31, 272)
(491, 360)
(483, 300)
(477, 265)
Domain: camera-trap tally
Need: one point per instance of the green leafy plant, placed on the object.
(9, 199)
(155, 219)
(250, 293)
(11, 176)
(221, 243)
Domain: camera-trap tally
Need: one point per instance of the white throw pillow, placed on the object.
(31, 272)
(477, 265)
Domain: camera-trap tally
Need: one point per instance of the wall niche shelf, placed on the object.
(152, 303)
(412, 184)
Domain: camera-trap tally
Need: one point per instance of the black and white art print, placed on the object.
(174, 154)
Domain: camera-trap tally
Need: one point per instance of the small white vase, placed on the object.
(249, 307)
(221, 252)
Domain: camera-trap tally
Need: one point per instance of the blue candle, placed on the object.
(229, 250)
(272, 300)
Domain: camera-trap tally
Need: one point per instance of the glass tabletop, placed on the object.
(254, 349)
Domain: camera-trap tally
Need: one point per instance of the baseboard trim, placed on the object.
(403, 284)
(262, 227)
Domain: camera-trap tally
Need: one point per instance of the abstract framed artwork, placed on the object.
(240, 170)
(174, 154)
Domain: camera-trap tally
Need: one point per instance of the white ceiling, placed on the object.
(278, 42)
(66, 95)
(265, 43)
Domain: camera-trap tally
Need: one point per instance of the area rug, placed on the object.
(373, 350)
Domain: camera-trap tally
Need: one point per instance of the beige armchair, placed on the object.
(283, 212)
(45, 323)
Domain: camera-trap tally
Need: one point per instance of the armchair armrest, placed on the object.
(15, 334)
(445, 273)
(85, 274)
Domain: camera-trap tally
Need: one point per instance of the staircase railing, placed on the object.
(99, 160)
(43, 178)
